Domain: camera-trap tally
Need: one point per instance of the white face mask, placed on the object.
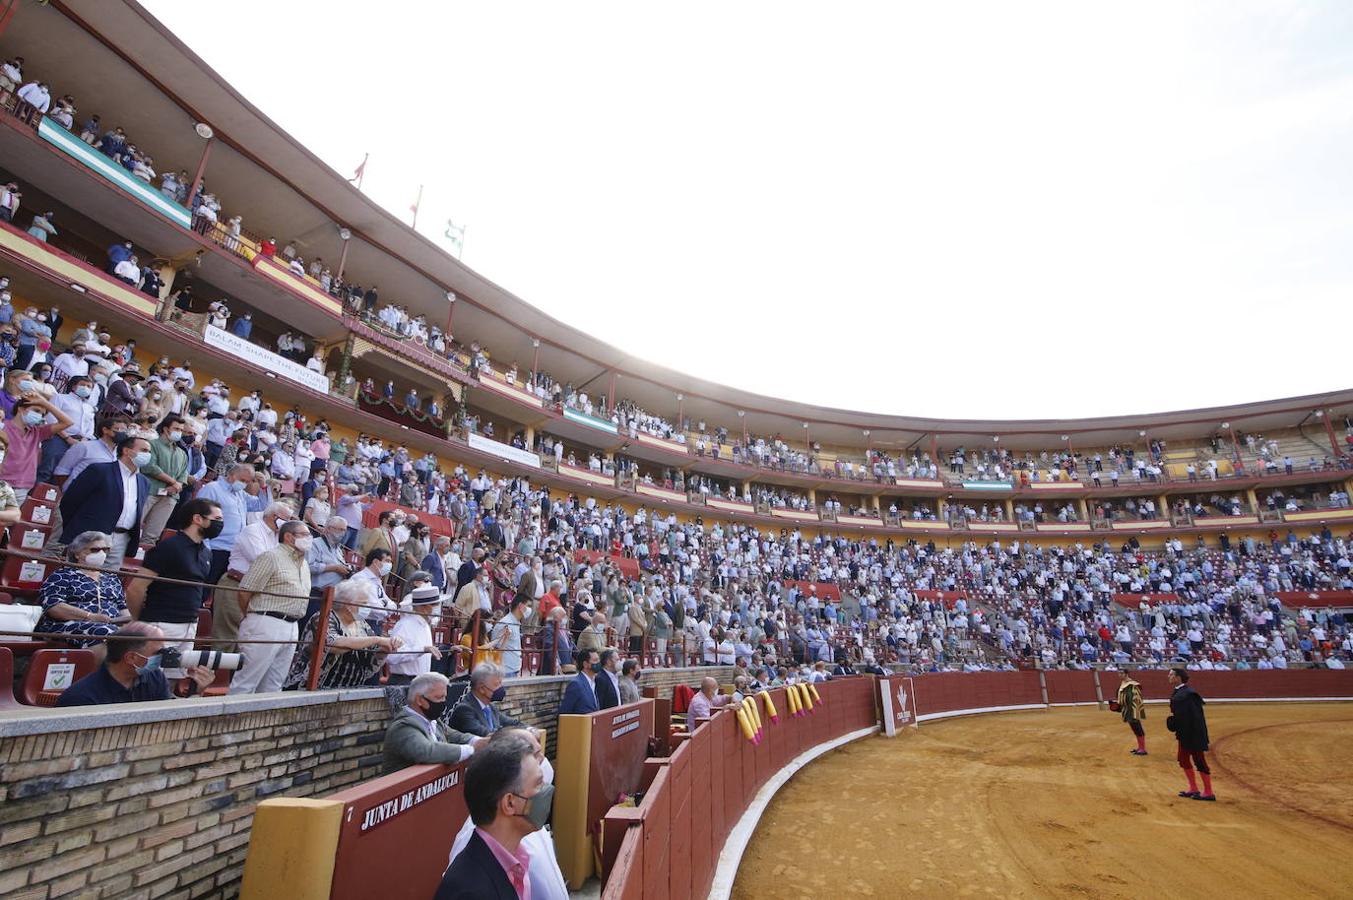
(97, 558)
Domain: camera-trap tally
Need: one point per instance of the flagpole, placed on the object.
(361, 170)
(461, 248)
(417, 203)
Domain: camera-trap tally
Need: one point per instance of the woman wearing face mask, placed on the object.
(353, 653)
(154, 405)
(86, 604)
(26, 432)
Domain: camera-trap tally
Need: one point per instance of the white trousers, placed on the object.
(177, 634)
(265, 666)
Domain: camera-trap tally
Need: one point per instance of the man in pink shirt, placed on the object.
(508, 798)
(703, 703)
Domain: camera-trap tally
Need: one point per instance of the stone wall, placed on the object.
(151, 800)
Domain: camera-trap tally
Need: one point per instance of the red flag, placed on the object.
(357, 175)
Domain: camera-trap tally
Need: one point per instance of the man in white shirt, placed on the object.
(36, 97)
(414, 630)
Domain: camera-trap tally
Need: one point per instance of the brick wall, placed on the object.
(156, 800)
(153, 800)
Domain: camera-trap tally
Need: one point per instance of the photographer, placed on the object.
(131, 671)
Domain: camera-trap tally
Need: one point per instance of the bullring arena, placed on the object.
(329, 568)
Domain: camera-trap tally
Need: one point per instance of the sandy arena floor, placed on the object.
(1051, 804)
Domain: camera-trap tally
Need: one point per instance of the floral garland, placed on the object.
(414, 413)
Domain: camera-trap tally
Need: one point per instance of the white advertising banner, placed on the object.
(503, 451)
(897, 699)
(238, 346)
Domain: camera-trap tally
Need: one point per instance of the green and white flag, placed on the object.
(456, 235)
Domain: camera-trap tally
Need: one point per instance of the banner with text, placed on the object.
(253, 353)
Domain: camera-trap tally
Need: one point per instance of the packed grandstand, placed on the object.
(199, 305)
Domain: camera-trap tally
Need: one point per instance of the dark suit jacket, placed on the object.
(476, 875)
(578, 697)
(93, 502)
(468, 716)
(607, 696)
(1187, 720)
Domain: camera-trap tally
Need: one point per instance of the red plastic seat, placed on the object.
(38, 512)
(24, 576)
(52, 671)
(204, 620)
(45, 493)
(29, 537)
(7, 700)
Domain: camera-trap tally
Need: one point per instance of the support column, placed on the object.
(610, 396)
(1083, 509)
(1329, 430)
(450, 311)
(1009, 509)
(345, 364)
(1163, 507)
(201, 170)
(1254, 499)
(530, 438)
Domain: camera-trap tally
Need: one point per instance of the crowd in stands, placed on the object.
(260, 511)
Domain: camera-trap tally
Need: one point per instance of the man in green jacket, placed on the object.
(167, 471)
(417, 737)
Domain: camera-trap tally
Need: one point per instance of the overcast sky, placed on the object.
(982, 209)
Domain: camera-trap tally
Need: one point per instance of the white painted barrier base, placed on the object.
(949, 714)
(726, 872)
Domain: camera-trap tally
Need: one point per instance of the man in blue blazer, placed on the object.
(580, 697)
(111, 498)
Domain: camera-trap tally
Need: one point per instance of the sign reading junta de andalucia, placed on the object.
(253, 353)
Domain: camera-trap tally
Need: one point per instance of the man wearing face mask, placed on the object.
(87, 453)
(379, 564)
(273, 597)
(254, 540)
(547, 881)
(109, 497)
(26, 433)
(130, 672)
(509, 800)
(416, 737)
(239, 493)
(80, 410)
(414, 631)
(479, 711)
(580, 696)
(168, 468)
(328, 565)
(182, 556)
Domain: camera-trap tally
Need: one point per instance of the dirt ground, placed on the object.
(1051, 804)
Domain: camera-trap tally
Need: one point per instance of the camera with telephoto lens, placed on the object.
(174, 658)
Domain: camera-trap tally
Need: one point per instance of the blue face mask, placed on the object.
(33, 419)
(28, 384)
(152, 664)
(83, 392)
(237, 486)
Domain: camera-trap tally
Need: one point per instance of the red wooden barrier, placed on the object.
(1079, 687)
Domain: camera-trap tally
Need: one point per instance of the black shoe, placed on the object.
(1137, 752)
(1210, 798)
(1192, 795)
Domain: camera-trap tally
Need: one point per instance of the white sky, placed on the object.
(983, 209)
